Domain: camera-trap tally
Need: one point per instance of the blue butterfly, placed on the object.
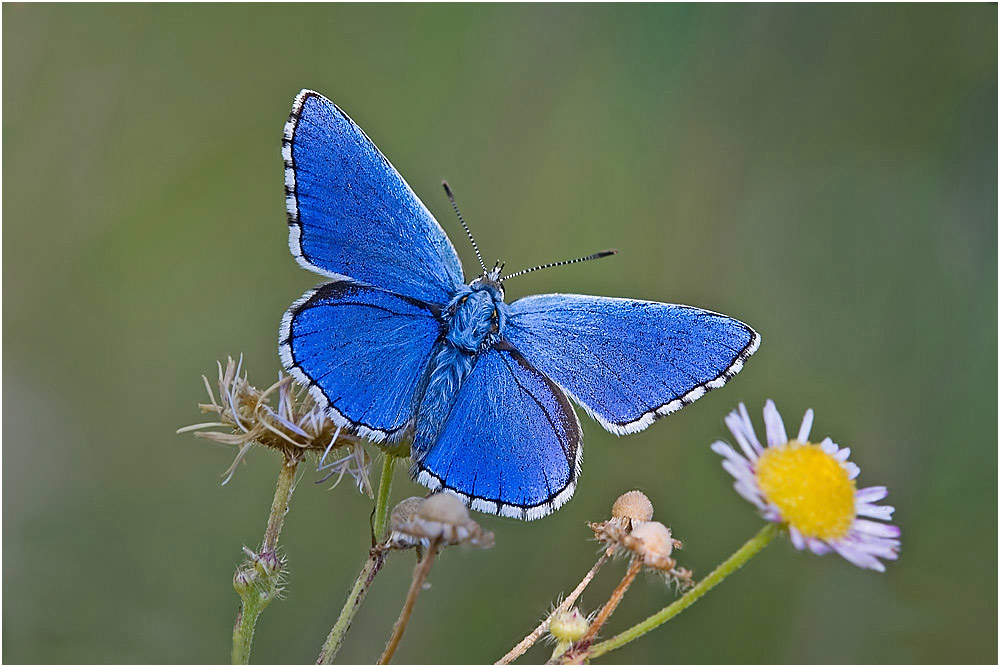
(398, 345)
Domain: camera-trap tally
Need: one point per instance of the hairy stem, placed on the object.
(357, 595)
(420, 573)
(257, 578)
(751, 548)
(279, 506)
(537, 633)
(367, 575)
(382, 502)
(613, 601)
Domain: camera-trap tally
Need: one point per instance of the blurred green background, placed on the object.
(827, 174)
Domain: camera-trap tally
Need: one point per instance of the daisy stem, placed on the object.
(751, 548)
(362, 584)
(256, 580)
(536, 634)
(420, 573)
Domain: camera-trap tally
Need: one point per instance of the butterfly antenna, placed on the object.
(596, 255)
(451, 198)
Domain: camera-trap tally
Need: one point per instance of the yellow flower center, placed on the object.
(809, 487)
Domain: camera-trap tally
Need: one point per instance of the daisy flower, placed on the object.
(811, 489)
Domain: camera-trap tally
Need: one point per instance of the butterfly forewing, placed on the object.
(351, 214)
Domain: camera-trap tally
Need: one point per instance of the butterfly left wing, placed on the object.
(350, 213)
(628, 362)
(362, 352)
(512, 443)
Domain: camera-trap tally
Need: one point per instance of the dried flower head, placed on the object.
(632, 508)
(402, 515)
(296, 426)
(442, 518)
(650, 542)
(810, 488)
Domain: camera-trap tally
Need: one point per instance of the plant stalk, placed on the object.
(613, 601)
(382, 502)
(536, 634)
(257, 578)
(420, 573)
(751, 548)
(357, 595)
(362, 584)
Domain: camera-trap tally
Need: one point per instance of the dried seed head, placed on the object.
(441, 517)
(405, 511)
(655, 540)
(444, 508)
(632, 508)
(402, 515)
(568, 626)
(649, 541)
(295, 426)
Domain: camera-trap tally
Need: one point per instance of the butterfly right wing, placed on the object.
(350, 213)
(511, 444)
(628, 362)
(362, 352)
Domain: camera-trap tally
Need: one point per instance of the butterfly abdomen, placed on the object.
(449, 367)
(472, 323)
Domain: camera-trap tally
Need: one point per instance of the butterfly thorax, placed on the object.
(476, 315)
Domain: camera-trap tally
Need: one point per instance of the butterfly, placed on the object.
(397, 345)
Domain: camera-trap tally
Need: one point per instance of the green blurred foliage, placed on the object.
(826, 173)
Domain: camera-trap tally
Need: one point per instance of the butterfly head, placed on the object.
(491, 282)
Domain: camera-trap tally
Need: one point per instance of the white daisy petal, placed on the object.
(857, 556)
(874, 528)
(742, 474)
(751, 435)
(807, 422)
(883, 512)
(879, 549)
(796, 536)
(772, 513)
(818, 547)
(774, 426)
(744, 437)
(749, 496)
(871, 494)
(730, 454)
(852, 470)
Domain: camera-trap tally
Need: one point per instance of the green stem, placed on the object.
(257, 578)
(371, 568)
(246, 620)
(357, 595)
(752, 547)
(279, 506)
(382, 502)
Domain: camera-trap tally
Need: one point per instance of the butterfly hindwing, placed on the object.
(362, 352)
(512, 443)
(625, 361)
(350, 213)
